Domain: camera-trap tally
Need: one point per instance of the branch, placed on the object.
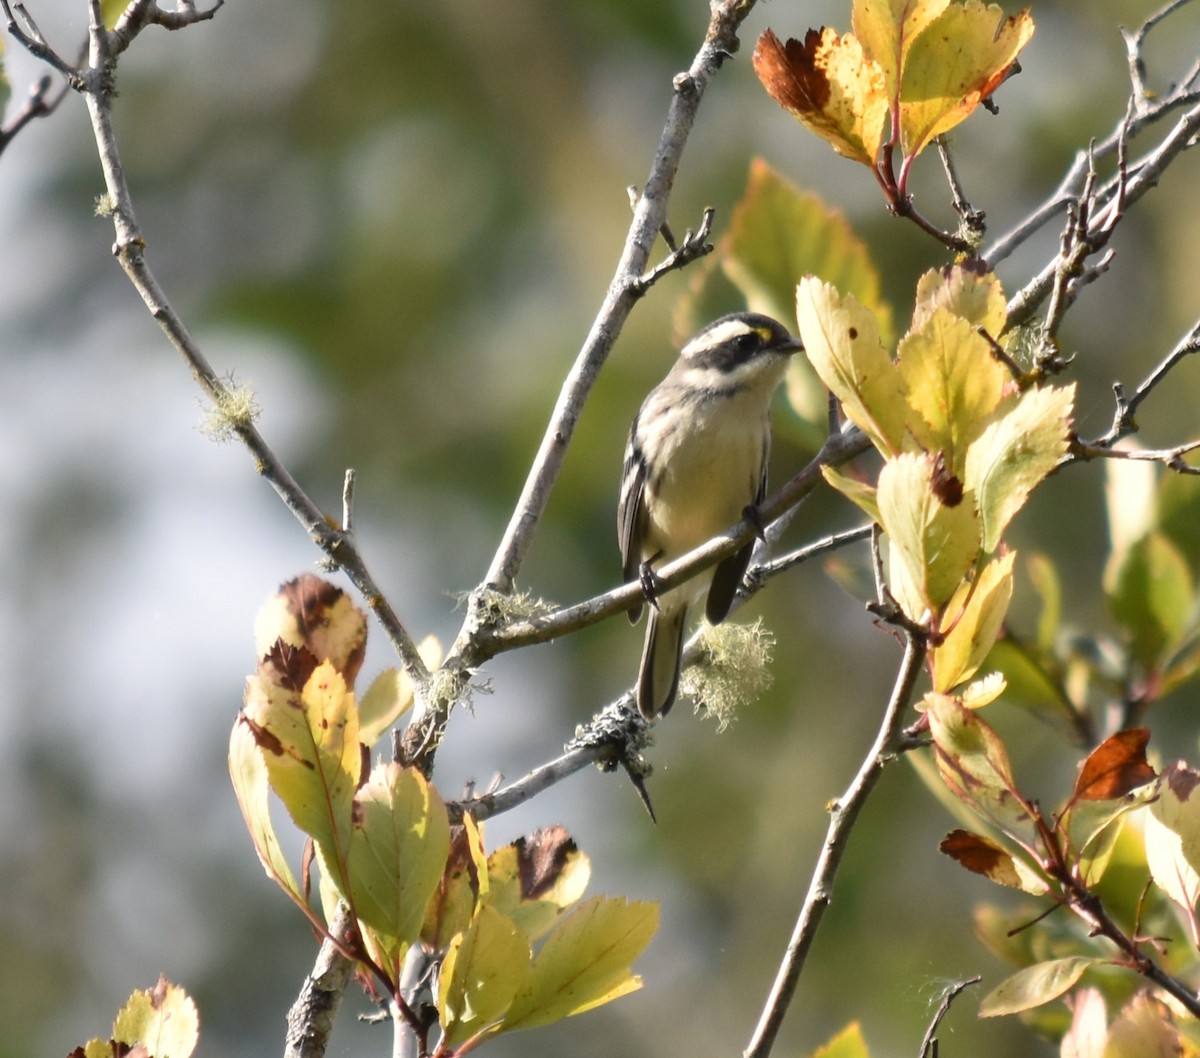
(489, 642)
(311, 1018)
(38, 104)
(628, 284)
(929, 1043)
(889, 741)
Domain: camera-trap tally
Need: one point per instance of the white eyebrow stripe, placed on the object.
(719, 335)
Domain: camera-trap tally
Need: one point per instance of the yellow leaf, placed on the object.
(1145, 1028)
(585, 962)
(827, 83)
(931, 545)
(953, 384)
(311, 613)
(248, 770)
(841, 340)
(111, 11)
(958, 60)
(974, 615)
(162, 1019)
(533, 880)
(398, 851)
(309, 741)
(483, 970)
(848, 1043)
(963, 291)
(1014, 453)
(887, 28)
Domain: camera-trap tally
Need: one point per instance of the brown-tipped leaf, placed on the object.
(1115, 767)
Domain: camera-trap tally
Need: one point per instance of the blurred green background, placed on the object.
(397, 221)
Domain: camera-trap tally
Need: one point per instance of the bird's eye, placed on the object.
(747, 343)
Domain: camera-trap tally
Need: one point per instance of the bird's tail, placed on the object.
(658, 679)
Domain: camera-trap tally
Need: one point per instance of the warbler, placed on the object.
(695, 464)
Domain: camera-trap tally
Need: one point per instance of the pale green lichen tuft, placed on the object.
(733, 670)
(235, 410)
(105, 205)
(500, 608)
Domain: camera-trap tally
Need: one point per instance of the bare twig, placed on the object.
(1124, 419)
(972, 221)
(843, 814)
(38, 104)
(1172, 458)
(24, 30)
(759, 574)
(929, 1043)
(311, 1018)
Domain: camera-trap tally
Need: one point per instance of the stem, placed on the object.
(888, 743)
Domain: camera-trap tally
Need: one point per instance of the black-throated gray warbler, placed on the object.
(696, 459)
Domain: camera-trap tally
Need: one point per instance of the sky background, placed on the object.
(397, 222)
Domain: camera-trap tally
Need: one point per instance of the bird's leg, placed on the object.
(753, 515)
(649, 580)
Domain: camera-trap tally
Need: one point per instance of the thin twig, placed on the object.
(1172, 458)
(38, 104)
(929, 1043)
(843, 814)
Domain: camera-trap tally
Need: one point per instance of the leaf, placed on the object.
(1044, 577)
(1089, 1026)
(309, 741)
(953, 384)
(585, 961)
(1130, 500)
(532, 880)
(1014, 453)
(778, 234)
(857, 492)
(248, 770)
(931, 546)
(311, 613)
(1035, 985)
(483, 970)
(463, 881)
(973, 763)
(829, 85)
(1150, 593)
(1172, 834)
(984, 856)
(841, 340)
(848, 1043)
(398, 851)
(111, 11)
(163, 1019)
(1115, 767)
(957, 60)
(5, 87)
(965, 291)
(887, 29)
(391, 694)
(976, 614)
(1145, 1028)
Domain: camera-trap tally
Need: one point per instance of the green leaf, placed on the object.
(931, 546)
(848, 1043)
(163, 1020)
(1035, 985)
(857, 492)
(111, 11)
(779, 234)
(1150, 593)
(483, 970)
(842, 341)
(1014, 453)
(585, 962)
(398, 851)
(5, 88)
(1044, 577)
(975, 616)
(463, 881)
(309, 741)
(248, 770)
(973, 763)
(953, 384)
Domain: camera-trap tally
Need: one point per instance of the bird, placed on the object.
(695, 464)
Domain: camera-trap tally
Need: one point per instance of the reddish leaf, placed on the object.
(1115, 767)
(974, 852)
